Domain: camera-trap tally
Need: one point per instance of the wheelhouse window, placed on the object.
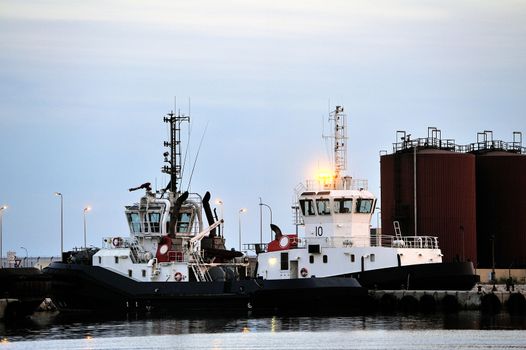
(342, 205)
(155, 222)
(364, 206)
(323, 207)
(307, 207)
(183, 222)
(134, 220)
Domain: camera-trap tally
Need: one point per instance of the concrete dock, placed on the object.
(483, 297)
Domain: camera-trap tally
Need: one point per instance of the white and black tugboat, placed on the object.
(336, 212)
(174, 261)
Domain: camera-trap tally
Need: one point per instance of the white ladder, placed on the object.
(398, 231)
(199, 269)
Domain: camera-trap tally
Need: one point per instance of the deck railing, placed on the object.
(414, 242)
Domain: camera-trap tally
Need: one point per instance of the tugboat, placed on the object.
(336, 211)
(173, 261)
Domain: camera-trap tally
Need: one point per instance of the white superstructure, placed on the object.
(336, 212)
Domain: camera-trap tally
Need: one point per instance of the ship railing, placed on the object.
(417, 242)
(117, 242)
(328, 183)
(420, 242)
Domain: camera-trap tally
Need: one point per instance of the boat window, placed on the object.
(130, 273)
(143, 273)
(372, 257)
(342, 205)
(352, 258)
(284, 261)
(183, 223)
(311, 259)
(116, 260)
(134, 221)
(307, 207)
(325, 259)
(155, 219)
(364, 205)
(323, 206)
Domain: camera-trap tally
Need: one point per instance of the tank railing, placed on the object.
(427, 142)
(450, 145)
(496, 145)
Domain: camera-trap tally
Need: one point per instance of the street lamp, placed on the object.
(61, 223)
(261, 205)
(220, 203)
(462, 232)
(2, 208)
(241, 211)
(492, 239)
(27, 256)
(85, 211)
(378, 230)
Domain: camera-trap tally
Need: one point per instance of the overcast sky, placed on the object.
(84, 86)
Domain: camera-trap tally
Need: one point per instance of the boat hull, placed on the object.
(84, 288)
(23, 290)
(439, 276)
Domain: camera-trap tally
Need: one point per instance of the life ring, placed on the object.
(117, 242)
(163, 249)
(178, 277)
(304, 272)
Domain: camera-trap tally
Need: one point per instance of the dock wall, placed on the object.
(486, 299)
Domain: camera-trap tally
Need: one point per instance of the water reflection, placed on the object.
(55, 326)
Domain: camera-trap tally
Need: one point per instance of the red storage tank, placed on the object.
(501, 208)
(445, 196)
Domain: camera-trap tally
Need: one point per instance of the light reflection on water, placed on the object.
(463, 330)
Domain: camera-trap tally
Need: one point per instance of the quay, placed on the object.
(484, 297)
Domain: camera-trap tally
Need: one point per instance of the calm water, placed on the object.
(465, 330)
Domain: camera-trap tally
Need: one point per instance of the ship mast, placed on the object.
(174, 169)
(340, 144)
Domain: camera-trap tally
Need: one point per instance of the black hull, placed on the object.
(27, 286)
(83, 288)
(439, 276)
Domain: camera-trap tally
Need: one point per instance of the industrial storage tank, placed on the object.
(501, 201)
(443, 193)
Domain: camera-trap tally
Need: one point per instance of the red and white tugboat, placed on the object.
(336, 212)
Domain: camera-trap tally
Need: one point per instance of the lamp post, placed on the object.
(220, 203)
(85, 211)
(462, 232)
(2, 208)
(492, 239)
(61, 223)
(27, 256)
(378, 230)
(261, 204)
(241, 211)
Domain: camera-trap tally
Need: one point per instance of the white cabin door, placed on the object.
(294, 269)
